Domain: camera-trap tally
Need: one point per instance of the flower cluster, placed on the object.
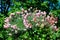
(25, 21)
(7, 22)
(38, 16)
(52, 21)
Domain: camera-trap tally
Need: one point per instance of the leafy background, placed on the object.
(9, 6)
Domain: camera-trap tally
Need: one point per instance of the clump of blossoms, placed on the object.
(15, 20)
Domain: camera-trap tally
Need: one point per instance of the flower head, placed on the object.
(25, 11)
(11, 15)
(7, 20)
(14, 26)
(18, 13)
(30, 25)
(37, 14)
(6, 25)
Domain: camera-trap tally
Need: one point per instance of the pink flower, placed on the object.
(25, 16)
(30, 25)
(43, 13)
(47, 18)
(25, 21)
(55, 28)
(26, 25)
(52, 22)
(38, 14)
(6, 25)
(7, 19)
(14, 26)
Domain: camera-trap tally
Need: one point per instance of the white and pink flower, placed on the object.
(18, 13)
(6, 25)
(14, 26)
(7, 20)
(11, 15)
(37, 14)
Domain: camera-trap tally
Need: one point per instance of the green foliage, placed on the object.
(9, 38)
(1, 20)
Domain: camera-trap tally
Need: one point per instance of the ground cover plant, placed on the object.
(34, 25)
(29, 19)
